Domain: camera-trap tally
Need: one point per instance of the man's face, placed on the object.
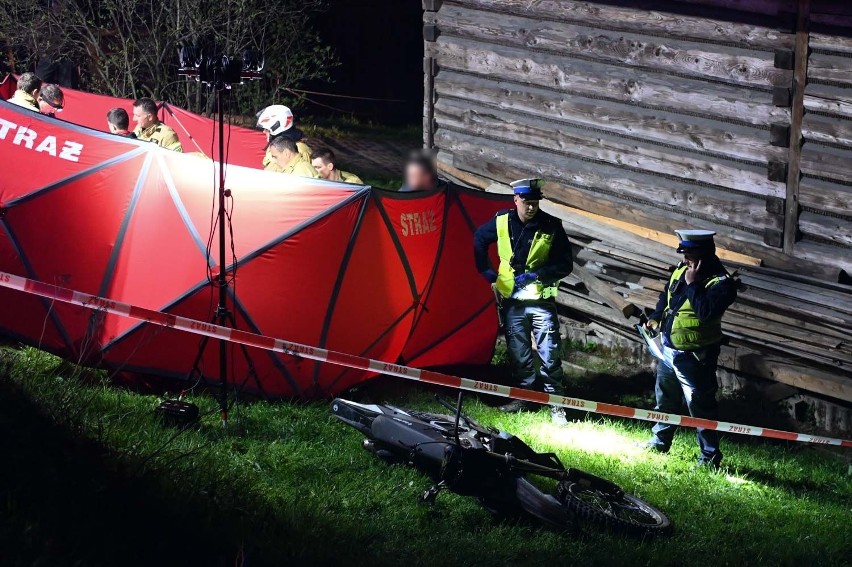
(526, 209)
(692, 259)
(50, 107)
(418, 179)
(323, 169)
(142, 118)
(281, 157)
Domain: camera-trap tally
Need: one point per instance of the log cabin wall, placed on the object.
(733, 115)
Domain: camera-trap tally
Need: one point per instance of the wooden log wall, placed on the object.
(678, 118)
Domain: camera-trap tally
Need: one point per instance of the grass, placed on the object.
(93, 478)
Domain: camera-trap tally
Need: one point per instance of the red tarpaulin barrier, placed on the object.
(196, 133)
(377, 274)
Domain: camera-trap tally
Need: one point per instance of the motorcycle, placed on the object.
(506, 475)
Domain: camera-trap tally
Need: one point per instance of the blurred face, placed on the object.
(418, 179)
(323, 169)
(143, 119)
(526, 209)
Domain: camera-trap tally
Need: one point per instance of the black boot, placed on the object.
(516, 406)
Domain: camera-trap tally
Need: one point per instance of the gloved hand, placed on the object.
(522, 280)
(490, 276)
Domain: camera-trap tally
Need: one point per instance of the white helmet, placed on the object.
(275, 119)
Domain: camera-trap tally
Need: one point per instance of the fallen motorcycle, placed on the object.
(507, 476)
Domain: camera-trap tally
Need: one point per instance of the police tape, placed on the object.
(194, 326)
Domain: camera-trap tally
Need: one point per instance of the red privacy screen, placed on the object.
(378, 274)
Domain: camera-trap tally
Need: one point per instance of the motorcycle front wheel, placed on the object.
(617, 511)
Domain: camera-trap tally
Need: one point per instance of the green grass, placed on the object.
(92, 478)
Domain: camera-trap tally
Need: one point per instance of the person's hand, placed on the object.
(651, 326)
(691, 274)
(522, 280)
(489, 275)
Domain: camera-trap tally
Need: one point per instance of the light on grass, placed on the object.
(736, 480)
(590, 437)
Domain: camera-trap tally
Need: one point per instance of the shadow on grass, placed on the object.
(68, 501)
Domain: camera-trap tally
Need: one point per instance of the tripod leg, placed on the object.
(202, 346)
(252, 370)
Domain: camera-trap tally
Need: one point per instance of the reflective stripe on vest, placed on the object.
(538, 256)
(688, 332)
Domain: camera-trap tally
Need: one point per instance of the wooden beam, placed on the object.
(668, 239)
(800, 79)
(605, 291)
(743, 143)
(666, 54)
(608, 82)
(610, 149)
(689, 22)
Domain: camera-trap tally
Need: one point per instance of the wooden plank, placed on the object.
(702, 136)
(608, 82)
(502, 162)
(675, 20)
(830, 69)
(827, 163)
(830, 42)
(612, 298)
(839, 258)
(793, 288)
(828, 228)
(816, 128)
(670, 240)
(705, 203)
(811, 379)
(499, 125)
(825, 196)
(800, 73)
(831, 105)
(655, 54)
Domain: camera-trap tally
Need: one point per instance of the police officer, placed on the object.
(26, 95)
(278, 121)
(534, 255)
(150, 129)
(689, 316)
(288, 159)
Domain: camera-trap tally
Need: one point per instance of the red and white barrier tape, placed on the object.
(350, 361)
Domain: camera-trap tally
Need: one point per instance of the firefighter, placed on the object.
(26, 95)
(119, 123)
(50, 100)
(288, 159)
(689, 316)
(324, 162)
(150, 129)
(278, 120)
(534, 254)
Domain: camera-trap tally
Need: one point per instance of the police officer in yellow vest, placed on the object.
(689, 316)
(534, 255)
(150, 129)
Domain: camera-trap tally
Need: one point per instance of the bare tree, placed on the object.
(128, 48)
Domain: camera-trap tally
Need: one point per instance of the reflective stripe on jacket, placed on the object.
(687, 331)
(538, 255)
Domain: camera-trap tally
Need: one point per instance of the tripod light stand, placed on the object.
(221, 73)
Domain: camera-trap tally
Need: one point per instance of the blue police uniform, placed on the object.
(535, 255)
(690, 317)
